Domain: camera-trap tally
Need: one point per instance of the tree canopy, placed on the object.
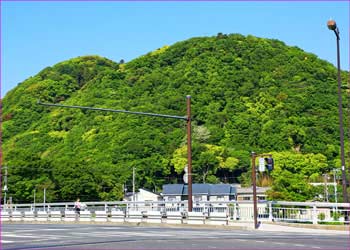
(248, 94)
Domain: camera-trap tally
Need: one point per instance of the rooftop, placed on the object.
(199, 189)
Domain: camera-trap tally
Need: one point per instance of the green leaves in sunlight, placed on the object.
(248, 94)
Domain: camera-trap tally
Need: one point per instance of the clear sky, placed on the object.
(35, 35)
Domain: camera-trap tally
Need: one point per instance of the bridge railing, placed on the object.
(298, 212)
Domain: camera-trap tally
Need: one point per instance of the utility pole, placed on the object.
(326, 187)
(133, 185)
(5, 185)
(255, 203)
(189, 153)
(254, 191)
(34, 198)
(335, 187)
(44, 199)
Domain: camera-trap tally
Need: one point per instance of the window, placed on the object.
(171, 198)
(197, 198)
(261, 198)
(220, 197)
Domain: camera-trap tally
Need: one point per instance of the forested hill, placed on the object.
(248, 94)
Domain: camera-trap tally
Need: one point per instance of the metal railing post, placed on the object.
(314, 215)
(235, 211)
(270, 212)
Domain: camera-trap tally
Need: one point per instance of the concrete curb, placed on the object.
(265, 226)
(312, 226)
(140, 224)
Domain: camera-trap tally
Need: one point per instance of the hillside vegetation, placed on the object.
(248, 94)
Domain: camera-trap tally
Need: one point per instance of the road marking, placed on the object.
(260, 241)
(6, 241)
(122, 234)
(114, 228)
(316, 247)
(18, 236)
(299, 245)
(42, 229)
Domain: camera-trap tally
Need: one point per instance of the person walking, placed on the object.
(77, 206)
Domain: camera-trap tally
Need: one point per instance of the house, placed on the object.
(142, 195)
(246, 194)
(200, 192)
(213, 192)
(222, 192)
(173, 192)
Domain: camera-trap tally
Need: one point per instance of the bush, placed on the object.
(331, 223)
(321, 216)
(336, 216)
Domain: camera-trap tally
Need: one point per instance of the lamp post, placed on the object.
(189, 153)
(333, 26)
(335, 187)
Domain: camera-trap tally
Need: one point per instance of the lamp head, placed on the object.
(331, 24)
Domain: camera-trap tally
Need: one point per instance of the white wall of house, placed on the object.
(200, 197)
(219, 198)
(249, 197)
(172, 198)
(144, 195)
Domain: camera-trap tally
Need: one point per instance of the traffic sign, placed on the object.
(185, 178)
(261, 164)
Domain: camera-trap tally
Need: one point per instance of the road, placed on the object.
(107, 237)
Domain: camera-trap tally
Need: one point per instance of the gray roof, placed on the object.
(199, 189)
(173, 189)
(222, 189)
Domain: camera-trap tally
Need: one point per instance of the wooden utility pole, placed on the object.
(255, 203)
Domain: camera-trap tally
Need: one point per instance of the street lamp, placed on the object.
(335, 187)
(187, 118)
(333, 26)
(325, 187)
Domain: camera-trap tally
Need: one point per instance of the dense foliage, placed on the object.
(248, 94)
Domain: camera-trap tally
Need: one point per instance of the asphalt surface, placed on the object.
(107, 236)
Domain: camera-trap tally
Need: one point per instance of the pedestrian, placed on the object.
(77, 206)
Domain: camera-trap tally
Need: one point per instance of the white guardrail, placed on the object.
(219, 213)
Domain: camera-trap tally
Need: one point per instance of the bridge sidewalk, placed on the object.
(298, 228)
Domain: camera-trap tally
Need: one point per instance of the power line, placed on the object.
(113, 110)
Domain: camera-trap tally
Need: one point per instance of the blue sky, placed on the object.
(35, 35)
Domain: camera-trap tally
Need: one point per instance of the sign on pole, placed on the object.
(261, 164)
(185, 177)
